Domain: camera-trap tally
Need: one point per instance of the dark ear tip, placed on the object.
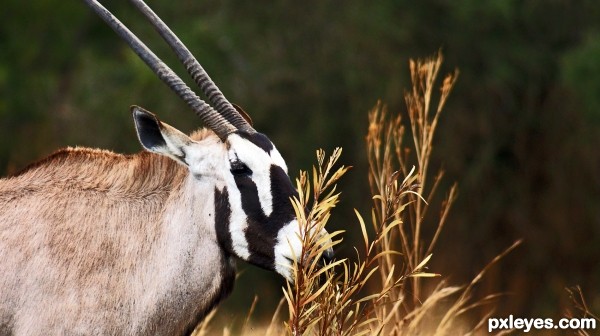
(134, 109)
(140, 112)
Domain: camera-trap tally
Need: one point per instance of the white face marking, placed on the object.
(278, 159)
(260, 163)
(289, 248)
(238, 224)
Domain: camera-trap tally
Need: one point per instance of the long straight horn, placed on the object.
(209, 116)
(208, 87)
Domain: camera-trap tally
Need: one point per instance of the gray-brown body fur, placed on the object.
(87, 246)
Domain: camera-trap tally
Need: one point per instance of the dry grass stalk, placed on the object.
(423, 122)
(391, 161)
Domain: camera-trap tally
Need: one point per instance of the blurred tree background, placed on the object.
(521, 133)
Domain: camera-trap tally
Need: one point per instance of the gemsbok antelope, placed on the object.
(98, 243)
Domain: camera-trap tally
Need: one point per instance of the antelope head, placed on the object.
(253, 214)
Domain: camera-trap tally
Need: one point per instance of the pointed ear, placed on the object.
(158, 137)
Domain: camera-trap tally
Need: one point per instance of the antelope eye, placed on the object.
(239, 168)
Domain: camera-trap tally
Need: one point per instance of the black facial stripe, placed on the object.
(282, 190)
(259, 234)
(239, 168)
(258, 139)
(250, 200)
(223, 219)
(262, 230)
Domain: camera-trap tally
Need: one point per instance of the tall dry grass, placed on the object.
(381, 290)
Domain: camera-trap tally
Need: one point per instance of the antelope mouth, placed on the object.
(326, 258)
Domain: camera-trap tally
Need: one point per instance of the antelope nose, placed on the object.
(327, 256)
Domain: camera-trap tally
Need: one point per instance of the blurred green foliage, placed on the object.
(520, 134)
